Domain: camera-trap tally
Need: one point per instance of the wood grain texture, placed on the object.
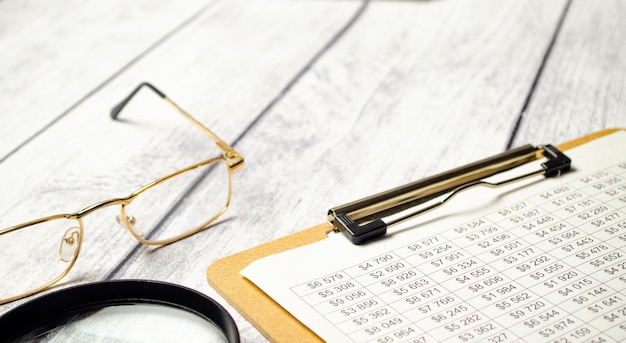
(322, 116)
(373, 116)
(583, 87)
(226, 67)
(386, 105)
(56, 53)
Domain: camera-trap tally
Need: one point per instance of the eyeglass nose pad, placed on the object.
(69, 244)
(131, 224)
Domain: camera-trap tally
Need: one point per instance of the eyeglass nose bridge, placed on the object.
(127, 222)
(106, 203)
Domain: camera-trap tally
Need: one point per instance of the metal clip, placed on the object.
(362, 220)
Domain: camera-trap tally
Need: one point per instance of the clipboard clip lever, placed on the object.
(361, 220)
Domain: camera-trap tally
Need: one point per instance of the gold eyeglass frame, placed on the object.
(230, 157)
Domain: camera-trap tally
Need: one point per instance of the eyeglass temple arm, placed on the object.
(234, 158)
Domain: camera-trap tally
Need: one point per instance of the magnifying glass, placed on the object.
(120, 311)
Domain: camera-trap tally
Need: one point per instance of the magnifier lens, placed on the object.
(129, 323)
(120, 311)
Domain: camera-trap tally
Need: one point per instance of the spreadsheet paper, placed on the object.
(544, 260)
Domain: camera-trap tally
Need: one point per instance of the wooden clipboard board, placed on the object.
(274, 322)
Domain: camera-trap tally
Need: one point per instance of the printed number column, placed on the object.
(388, 277)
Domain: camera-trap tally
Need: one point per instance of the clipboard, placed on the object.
(274, 322)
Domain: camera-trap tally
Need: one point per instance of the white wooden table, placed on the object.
(328, 101)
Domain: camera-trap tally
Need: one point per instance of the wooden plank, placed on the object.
(226, 66)
(56, 53)
(378, 115)
(583, 87)
(413, 88)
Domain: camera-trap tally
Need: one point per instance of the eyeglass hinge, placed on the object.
(235, 161)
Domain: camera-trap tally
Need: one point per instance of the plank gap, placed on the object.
(281, 94)
(293, 81)
(535, 82)
(108, 80)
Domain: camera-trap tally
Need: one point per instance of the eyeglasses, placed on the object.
(37, 254)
